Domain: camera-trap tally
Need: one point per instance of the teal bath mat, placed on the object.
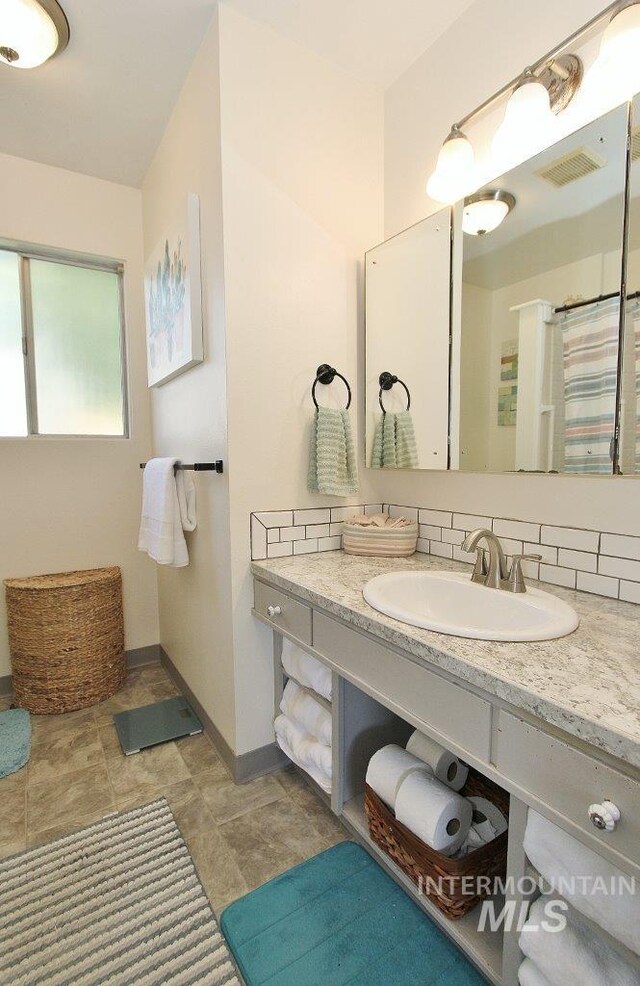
(15, 740)
(338, 919)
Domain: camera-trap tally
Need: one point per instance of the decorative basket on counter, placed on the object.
(445, 881)
(379, 542)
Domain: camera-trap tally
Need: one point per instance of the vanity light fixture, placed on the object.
(618, 64)
(31, 32)
(455, 170)
(529, 124)
(485, 211)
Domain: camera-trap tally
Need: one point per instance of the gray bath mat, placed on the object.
(119, 903)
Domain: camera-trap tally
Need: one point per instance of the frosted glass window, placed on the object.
(13, 401)
(76, 349)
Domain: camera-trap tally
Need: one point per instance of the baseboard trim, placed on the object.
(242, 768)
(137, 657)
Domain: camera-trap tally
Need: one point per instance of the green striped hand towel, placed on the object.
(332, 462)
(394, 442)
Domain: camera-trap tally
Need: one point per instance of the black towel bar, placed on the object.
(217, 466)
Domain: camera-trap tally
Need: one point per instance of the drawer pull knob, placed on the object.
(274, 610)
(604, 816)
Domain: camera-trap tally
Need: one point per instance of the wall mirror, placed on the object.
(407, 351)
(535, 347)
(535, 379)
(630, 390)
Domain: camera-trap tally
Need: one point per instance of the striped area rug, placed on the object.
(119, 903)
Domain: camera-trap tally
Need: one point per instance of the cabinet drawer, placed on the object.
(568, 781)
(282, 611)
(453, 712)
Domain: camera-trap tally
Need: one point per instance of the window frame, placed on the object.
(25, 254)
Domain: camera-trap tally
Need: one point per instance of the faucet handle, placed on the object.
(480, 567)
(515, 579)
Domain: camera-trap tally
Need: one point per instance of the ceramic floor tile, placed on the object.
(228, 800)
(189, 809)
(198, 753)
(70, 750)
(319, 813)
(47, 729)
(51, 803)
(73, 823)
(162, 689)
(271, 840)
(12, 820)
(5, 702)
(132, 696)
(13, 782)
(217, 868)
(147, 772)
(110, 742)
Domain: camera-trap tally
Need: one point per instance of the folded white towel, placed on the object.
(584, 878)
(530, 975)
(575, 954)
(299, 705)
(307, 750)
(168, 509)
(306, 669)
(321, 779)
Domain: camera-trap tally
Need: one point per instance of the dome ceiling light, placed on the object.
(485, 211)
(31, 32)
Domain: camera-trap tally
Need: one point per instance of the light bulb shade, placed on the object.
(485, 211)
(529, 125)
(619, 58)
(31, 32)
(454, 175)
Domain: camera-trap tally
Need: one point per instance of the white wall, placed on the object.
(74, 503)
(302, 180)
(486, 47)
(189, 412)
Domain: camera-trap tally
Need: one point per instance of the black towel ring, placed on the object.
(386, 381)
(326, 374)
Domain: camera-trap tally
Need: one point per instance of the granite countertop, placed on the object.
(587, 684)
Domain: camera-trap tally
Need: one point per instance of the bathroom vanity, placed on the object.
(554, 722)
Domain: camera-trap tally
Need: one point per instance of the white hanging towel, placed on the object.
(168, 509)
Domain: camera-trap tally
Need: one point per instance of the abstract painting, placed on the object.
(173, 299)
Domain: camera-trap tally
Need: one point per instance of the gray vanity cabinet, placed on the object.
(380, 693)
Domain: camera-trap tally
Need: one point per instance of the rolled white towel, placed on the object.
(444, 764)
(308, 751)
(530, 975)
(318, 776)
(388, 768)
(306, 669)
(307, 712)
(433, 812)
(574, 954)
(584, 878)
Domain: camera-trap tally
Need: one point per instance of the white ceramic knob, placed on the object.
(274, 610)
(604, 816)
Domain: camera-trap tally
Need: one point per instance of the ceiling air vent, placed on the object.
(635, 144)
(576, 164)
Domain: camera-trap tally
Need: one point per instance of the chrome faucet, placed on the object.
(495, 575)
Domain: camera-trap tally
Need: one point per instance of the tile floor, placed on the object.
(239, 835)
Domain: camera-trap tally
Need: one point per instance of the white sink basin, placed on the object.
(449, 602)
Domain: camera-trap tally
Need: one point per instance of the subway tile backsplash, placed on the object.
(591, 561)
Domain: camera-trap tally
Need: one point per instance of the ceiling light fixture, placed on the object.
(455, 170)
(31, 32)
(486, 210)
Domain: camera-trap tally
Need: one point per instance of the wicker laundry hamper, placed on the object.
(66, 637)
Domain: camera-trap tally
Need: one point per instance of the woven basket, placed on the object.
(449, 886)
(379, 542)
(66, 637)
